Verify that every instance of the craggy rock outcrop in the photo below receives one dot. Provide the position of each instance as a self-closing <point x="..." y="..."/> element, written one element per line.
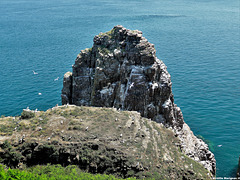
<point x="121" y="70"/>
<point x="67" y="88"/>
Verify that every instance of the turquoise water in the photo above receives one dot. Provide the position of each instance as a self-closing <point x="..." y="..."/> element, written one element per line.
<point x="198" y="40"/>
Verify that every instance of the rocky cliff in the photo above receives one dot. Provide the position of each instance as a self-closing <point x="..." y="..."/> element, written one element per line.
<point x="97" y="140"/>
<point x="121" y="70"/>
<point x="238" y="170"/>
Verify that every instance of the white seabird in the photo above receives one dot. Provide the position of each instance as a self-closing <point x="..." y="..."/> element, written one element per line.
<point x="131" y="85"/>
<point x="56" y="79"/>
<point x="34" y="72"/>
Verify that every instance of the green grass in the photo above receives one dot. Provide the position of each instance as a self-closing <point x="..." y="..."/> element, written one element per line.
<point x="103" y="50"/>
<point x="52" y="172"/>
<point x="109" y="34"/>
<point x="6" y="129"/>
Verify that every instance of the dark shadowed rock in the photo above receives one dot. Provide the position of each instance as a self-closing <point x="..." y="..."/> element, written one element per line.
<point x="121" y="70"/>
<point x="238" y="170"/>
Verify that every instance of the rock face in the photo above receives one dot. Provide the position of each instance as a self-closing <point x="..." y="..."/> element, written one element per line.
<point x="121" y="70"/>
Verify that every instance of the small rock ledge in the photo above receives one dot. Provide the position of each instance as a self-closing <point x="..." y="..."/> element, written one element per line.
<point x="121" y="70"/>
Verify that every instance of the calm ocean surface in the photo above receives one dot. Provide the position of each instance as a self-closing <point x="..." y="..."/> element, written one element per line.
<point x="199" y="41"/>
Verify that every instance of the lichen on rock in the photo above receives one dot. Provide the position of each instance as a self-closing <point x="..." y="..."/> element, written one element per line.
<point x="121" y="70"/>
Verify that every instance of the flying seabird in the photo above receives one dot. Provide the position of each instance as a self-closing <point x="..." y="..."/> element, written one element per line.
<point x="34" y="72"/>
<point x="56" y="79"/>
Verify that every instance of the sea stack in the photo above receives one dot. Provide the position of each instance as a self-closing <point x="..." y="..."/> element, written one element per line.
<point x="121" y="70"/>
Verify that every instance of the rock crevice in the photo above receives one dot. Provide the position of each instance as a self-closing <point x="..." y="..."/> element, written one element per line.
<point x="121" y="70"/>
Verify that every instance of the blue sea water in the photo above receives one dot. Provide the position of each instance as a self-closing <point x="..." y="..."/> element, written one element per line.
<point x="199" y="41"/>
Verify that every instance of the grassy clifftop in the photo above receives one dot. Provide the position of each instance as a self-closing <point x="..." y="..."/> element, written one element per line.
<point x="98" y="140"/>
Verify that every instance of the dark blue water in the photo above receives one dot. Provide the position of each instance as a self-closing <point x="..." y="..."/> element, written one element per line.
<point x="198" y="40"/>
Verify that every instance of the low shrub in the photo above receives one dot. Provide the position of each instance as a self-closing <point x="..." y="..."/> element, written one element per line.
<point x="27" y="114"/>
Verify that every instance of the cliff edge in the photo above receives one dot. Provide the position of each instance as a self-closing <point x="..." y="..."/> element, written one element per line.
<point x="121" y="70"/>
<point x="97" y="140"/>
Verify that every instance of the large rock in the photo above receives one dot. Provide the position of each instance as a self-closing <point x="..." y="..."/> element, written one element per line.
<point x="121" y="70"/>
<point x="67" y="88"/>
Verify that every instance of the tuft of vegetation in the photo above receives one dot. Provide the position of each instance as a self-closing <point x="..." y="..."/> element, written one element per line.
<point x="109" y="34"/>
<point x="27" y="114"/>
<point x="10" y="156"/>
<point x="103" y="50"/>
